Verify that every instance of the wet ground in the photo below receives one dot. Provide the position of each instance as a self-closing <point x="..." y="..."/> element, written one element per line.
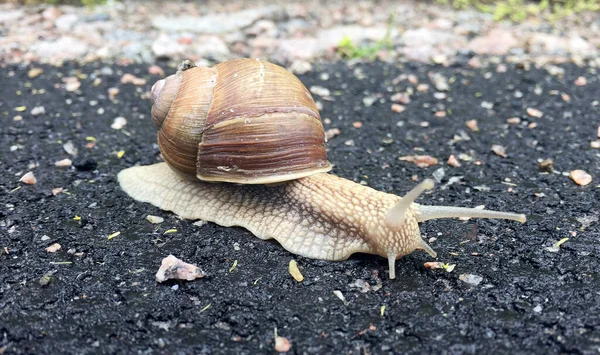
<point x="98" y="295"/>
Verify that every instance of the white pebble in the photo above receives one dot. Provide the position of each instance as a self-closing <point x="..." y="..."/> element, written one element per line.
<point x="118" y="123"/>
<point x="38" y="110"/>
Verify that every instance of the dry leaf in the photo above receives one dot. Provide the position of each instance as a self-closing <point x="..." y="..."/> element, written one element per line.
<point x="580" y="177"/>
<point x="294" y="271"/>
<point x="499" y="150"/>
<point x="422" y="161"/>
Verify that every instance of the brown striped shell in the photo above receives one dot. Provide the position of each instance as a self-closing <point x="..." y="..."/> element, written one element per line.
<point x="243" y="121"/>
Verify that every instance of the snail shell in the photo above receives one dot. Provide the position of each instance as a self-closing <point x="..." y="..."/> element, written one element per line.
<point x="243" y="121"/>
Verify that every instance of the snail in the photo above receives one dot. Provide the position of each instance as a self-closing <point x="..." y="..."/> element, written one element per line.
<point x="244" y="145"/>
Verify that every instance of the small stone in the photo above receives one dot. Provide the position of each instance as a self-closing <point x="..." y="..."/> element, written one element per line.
<point x="113" y="92"/>
<point x="332" y="132"/>
<point x="580" y="177"/>
<point x="319" y="90"/>
<point x="472" y="125"/>
<point x="499" y="150"/>
<point x="18" y="118"/>
<point x="513" y="120"/>
<point x="154" y="219"/>
<point x="34" y="73"/>
<point x="44" y="238"/>
<point x="56" y="191"/>
<point x="119" y="123"/>
<point x="156" y="70"/>
<point x="300" y="67"/>
<point x="46" y="278"/>
<point x="546" y="165"/>
<point x="452" y="161"/>
<point x="398" y="108"/>
<point x="28" y="179"/>
<point x="421" y="161"/>
<point x="581" y="81"/>
<point x="471" y="279"/>
<point x="53" y="248"/>
<point x="439" y="81"/>
<point x="357" y="124"/>
<point x="174" y="268"/>
<point x="401" y="98"/>
<point x="130" y="78"/>
<point x="64" y="163"/>
<point x="70" y="148"/>
<point x="533" y="112"/>
<point x="282" y="345"/>
<point x="422" y="87"/>
<point x="71" y="83"/>
<point x="368" y="101"/>
<point x="538" y="308"/>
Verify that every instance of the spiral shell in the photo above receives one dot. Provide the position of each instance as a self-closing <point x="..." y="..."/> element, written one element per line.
<point x="243" y="121"/>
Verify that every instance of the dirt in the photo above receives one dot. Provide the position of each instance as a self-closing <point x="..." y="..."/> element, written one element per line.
<point x="105" y="299"/>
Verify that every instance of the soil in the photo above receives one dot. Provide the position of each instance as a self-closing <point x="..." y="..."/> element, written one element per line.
<point x="99" y="295"/>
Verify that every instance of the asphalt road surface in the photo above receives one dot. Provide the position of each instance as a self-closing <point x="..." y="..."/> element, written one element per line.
<point x="509" y="291"/>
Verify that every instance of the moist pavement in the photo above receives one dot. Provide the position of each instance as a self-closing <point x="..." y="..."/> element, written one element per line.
<point x="504" y="288"/>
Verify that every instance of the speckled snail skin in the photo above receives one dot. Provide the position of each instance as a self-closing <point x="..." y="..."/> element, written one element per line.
<point x="254" y="126"/>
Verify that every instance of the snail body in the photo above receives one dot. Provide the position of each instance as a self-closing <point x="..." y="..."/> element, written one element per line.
<point x="307" y="210"/>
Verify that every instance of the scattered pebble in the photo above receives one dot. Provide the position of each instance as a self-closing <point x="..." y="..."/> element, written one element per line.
<point x="499" y="150"/>
<point x="368" y="101"/>
<point x="282" y="345"/>
<point x="44" y="238"/>
<point x="422" y="161"/>
<point x="581" y="81"/>
<point x="357" y="124"/>
<point x="565" y="97"/>
<point x="546" y="165"/>
<point x="332" y="132"/>
<point x="538" y="308"/>
<point x="130" y="78"/>
<point x="533" y="112"/>
<point x="70" y="148"/>
<point x="34" y="73"/>
<point x="18" y="118"/>
<point x="28" y="179"/>
<point x="340" y="295"/>
<point x="119" y="123"/>
<point x="471" y="279"/>
<point x="513" y="120"/>
<point x="320" y="91"/>
<point x="401" y="98"/>
<point x="398" y="108"/>
<point x="64" y="163"/>
<point x="154" y="219"/>
<point x="53" y="248"/>
<point x="452" y="161"/>
<point x="156" y="70"/>
<point x="38" y="110"/>
<point x="174" y="268"/>
<point x="71" y="83"/>
<point x="439" y="81"/>
<point x="472" y="125"/>
<point x="113" y="92"/>
<point x="56" y="191"/>
<point x="432" y="265"/>
<point x="294" y="271"/>
<point x="580" y="177"/>
<point x="46" y="278"/>
<point x="422" y="87"/>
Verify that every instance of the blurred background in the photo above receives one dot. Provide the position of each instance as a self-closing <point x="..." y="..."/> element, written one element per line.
<point x="296" y="34"/>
